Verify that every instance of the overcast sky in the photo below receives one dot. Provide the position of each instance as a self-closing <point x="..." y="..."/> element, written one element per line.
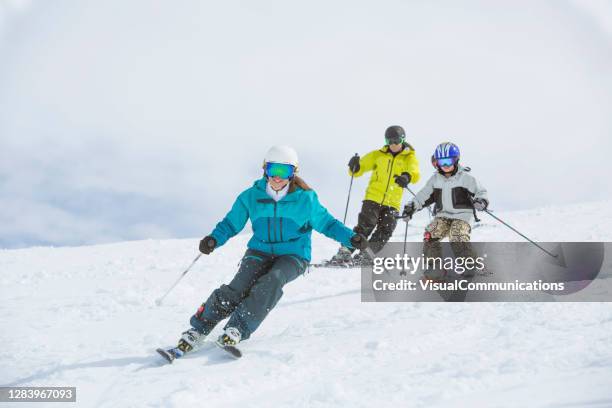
<point x="144" y="119"/>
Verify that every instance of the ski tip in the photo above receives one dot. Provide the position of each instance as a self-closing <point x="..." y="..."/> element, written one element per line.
<point x="232" y="350"/>
<point x="169" y="357"/>
<point x="236" y="353"/>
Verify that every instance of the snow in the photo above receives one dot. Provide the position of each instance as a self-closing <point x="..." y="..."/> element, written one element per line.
<point x="86" y="317"/>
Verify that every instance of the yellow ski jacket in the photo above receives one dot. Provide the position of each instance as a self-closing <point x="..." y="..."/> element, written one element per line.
<point x="384" y="166"/>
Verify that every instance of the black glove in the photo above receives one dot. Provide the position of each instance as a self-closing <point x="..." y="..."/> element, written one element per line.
<point x="403" y="180"/>
<point x="358" y="241"/>
<point x="207" y="245"/>
<point x="354" y="164"/>
<point x="409" y="210"/>
<point x="480" y="204"/>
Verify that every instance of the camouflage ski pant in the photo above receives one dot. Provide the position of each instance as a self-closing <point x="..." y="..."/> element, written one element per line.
<point x="458" y="233"/>
<point x="456" y="230"/>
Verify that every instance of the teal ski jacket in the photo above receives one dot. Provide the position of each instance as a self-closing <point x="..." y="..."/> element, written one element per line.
<point x="283" y="227"/>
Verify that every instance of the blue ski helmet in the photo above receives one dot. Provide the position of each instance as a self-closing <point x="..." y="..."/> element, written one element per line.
<point x="447" y="150"/>
<point x="446" y="154"/>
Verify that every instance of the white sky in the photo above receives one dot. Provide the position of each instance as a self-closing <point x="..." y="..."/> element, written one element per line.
<point x="144" y="119"/>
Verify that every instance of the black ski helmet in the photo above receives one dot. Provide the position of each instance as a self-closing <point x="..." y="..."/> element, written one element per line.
<point x="395" y="135"/>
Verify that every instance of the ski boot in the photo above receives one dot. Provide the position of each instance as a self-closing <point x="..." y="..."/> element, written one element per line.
<point x="190" y="340"/>
<point x="228" y="341"/>
<point x="342" y="258"/>
<point x="230" y="337"/>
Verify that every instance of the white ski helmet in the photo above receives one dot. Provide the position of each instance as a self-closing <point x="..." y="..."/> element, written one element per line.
<point x="282" y="154"/>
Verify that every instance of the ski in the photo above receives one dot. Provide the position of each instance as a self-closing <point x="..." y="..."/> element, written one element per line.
<point x="334" y="265"/>
<point x="169" y="355"/>
<point x="174" y="353"/>
<point x="233" y="350"/>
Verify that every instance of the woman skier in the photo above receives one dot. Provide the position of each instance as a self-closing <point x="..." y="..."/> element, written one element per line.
<point x="283" y="211"/>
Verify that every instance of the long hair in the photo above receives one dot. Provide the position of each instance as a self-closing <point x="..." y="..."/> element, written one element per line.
<point x="298" y="182"/>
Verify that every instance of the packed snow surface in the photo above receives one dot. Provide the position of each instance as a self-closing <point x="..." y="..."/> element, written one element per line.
<point x="86" y="317"/>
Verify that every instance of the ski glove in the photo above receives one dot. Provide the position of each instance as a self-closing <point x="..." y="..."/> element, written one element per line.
<point x="354" y="164"/>
<point x="480" y="204"/>
<point x="359" y="241"/>
<point x="403" y="180"/>
<point x="207" y="245"/>
<point x="409" y="211"/>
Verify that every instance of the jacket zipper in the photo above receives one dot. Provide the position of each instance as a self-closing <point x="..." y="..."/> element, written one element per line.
<point x="390" y="165"/>
<point x="275" y="237"/>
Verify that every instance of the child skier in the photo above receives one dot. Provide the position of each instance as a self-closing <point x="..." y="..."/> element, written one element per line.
<point x="393" y="167"/>
<point x="456" y="195"/>
<point x="283" y="211"/>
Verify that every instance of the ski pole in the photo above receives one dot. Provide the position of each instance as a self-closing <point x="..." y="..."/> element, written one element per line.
<point x="159" y="301"/>
<point x="349" y="193"/>
<point x="403" y="217"/>
<point x="405" y="239"/>
<point x="410" y="191"/>
<point x="518" y="232"/>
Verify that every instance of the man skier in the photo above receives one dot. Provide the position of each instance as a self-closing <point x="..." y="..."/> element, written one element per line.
<point x="393" y="167"/>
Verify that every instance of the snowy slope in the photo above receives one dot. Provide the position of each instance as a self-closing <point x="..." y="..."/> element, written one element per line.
<point x="86" y="317"/>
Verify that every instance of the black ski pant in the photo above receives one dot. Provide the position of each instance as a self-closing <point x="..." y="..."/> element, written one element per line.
<point x="251" y="295"/>
<point x="377" y="220"/>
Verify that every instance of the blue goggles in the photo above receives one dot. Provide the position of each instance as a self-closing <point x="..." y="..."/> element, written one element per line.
<point x="446" y="162"/>
<point x="282" y="170"/>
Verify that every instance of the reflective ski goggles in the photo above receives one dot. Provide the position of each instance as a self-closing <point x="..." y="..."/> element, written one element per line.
<point x="395" y="139"/>
<point x="282" y="170"/>
<point x="446" y="162"/>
